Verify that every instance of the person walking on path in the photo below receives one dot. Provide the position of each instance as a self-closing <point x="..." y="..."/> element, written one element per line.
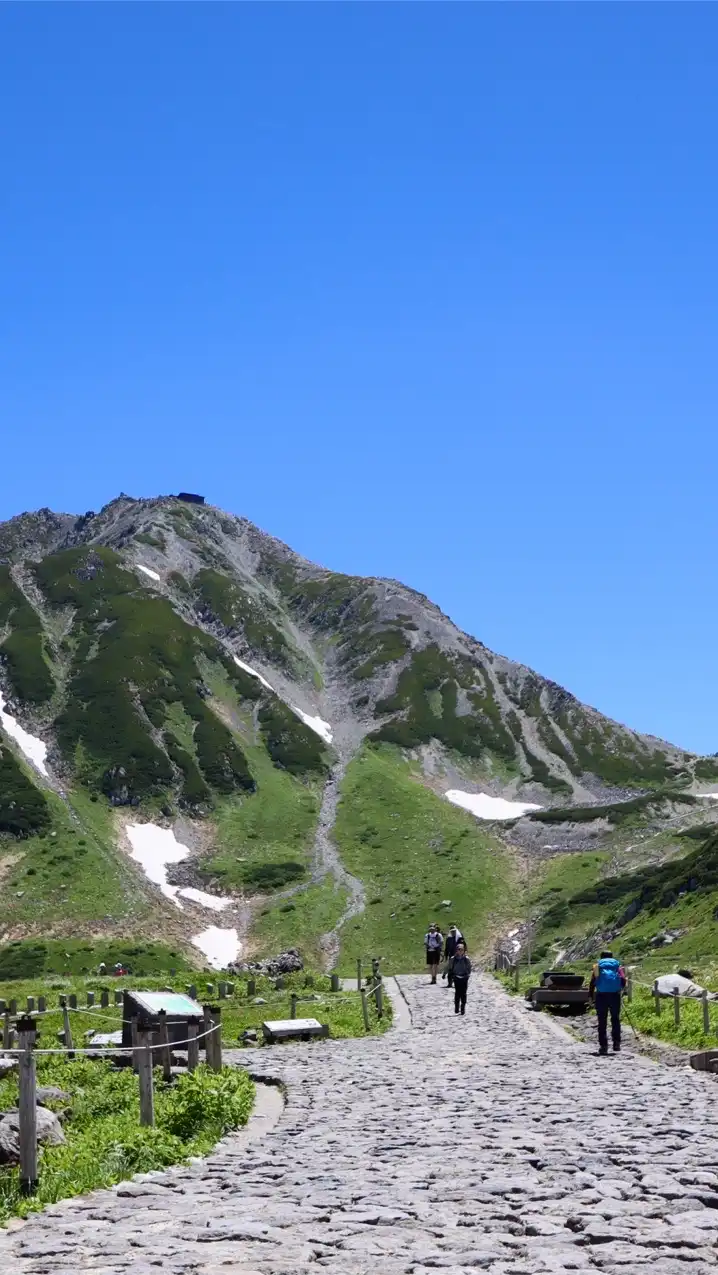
<point x="433" y="942"/>
<point x="460" y="974"/>
<point x="452" y="939"/>
<point x="608" y="979"/>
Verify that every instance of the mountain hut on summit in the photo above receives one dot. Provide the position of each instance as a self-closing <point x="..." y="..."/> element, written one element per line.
<point x="190" y="497"/>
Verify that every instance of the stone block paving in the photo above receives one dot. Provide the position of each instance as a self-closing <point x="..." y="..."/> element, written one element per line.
<point x="488" y="1143"/>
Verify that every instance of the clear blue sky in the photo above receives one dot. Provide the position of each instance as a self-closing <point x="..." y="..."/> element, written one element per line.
<point x="428" y="291"/>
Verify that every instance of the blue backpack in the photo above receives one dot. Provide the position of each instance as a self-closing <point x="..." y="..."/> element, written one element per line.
<point x="609" y="975"/>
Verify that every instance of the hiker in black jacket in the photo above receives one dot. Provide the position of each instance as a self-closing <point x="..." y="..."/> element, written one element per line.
<point x="460" y="973"/>
<point x="453" y="937"/>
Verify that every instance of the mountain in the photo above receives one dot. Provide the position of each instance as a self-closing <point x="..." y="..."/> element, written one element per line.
<point x="198" y="721"/>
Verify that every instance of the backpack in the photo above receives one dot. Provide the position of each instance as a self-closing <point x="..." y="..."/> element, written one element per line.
<point x="609" y="975"/>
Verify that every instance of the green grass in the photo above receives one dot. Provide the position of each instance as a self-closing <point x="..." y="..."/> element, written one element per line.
<point x="342" y="1012"/>
<point x="24" y="812"/>
<point x="105" y="1143"/>
<point x="23" y="650"/>
<point x="273" y="825"/>
<point x="300" y="921"/>
<point x="37" y="959"/>
<point x="412" y="850"/>
<point x="71" y="874"/>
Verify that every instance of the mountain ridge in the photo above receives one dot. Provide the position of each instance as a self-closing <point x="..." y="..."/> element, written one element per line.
<point x="175" y="658"/>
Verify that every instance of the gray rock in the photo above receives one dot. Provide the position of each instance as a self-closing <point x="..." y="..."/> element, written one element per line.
<point x="49" y="1132"/>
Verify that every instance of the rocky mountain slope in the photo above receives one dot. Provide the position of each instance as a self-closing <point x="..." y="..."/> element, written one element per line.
<point x="289" y="733"/>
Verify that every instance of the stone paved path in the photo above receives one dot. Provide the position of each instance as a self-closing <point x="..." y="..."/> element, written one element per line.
<point x="489" y="1143"/>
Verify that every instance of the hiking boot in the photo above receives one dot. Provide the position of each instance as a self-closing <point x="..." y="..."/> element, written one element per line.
<point x="603" y="1053"/>
<point x="617" y="1048"/>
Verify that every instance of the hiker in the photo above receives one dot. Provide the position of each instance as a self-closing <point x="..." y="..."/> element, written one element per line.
<point x="460" y="972"/>
<point x="452" y="938"/>
<point x="608" y="979"/>
<point x="434" y="943"/>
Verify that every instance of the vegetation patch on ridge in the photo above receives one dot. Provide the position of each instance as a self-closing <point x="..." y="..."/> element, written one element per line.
<point x="23" y="650"/>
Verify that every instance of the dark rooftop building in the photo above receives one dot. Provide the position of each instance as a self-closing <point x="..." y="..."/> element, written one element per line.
<point x="191" y="497"/>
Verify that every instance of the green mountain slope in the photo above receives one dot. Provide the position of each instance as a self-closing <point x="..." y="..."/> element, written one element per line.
<point x="296" y="728"/>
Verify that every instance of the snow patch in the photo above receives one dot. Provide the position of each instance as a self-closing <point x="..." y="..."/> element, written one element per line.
<point x="221" y="947"/>
<point x="252" y="672"/>
<point x="148" y="571"/>
<point x="212" y="901"/>
<point x="155" y="849"/>
<point x="317" y="724"/>
<point x="33" y="748"/>
<point x="709" y="796"/>
<point x="485" y="807"/>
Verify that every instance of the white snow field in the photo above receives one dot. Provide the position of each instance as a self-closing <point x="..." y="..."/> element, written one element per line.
<point x="33" y="748"/>
<point x="317" y="724"/>
<point x="253" y="672"/>
<point x="485" y="807"/>
<point x="148" y="571"/>
<point x="709" y="796"/>
<point x="219" y="946"/>
<point x="211" y="901"/>
<point x="155" y="848"/>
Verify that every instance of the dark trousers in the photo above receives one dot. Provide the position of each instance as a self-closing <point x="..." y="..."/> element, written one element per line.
<point x="608" y="1003"/>
<point x="460" y="989"/>
<point x="449" y="974"/>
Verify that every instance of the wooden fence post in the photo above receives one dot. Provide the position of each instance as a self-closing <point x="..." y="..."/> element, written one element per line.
<point x="27" y="1108"/>
<point x="293" y="1005"/>
<point x="213" y="1042"/>
<point x="72" y="1000"/>
<point x="67" y="1030"/>
<point x="223" y="991"/>
<point x="6" y="1029"/>
<point x="516" y="978"/>
<point x="629" y="988"/>
<point x="105" y="998"/>
<point x="164" y="1040"/>
<point x="192" y="992"/>
<point x="358" y="973"/>
<point x="3" y="1006"/>
<point x="90" y="999"/>
<point x="147" y="1097"/>
<point x="30" y="1005"/>
<point x="134" y="1038"/>
<point x="657" y="998"/>
<point x="379" y="997"/>
<point x="41" y="1004"/>
<point x="676" y="1007"/>
<point x="192" y="1047"/>
<point x="119" y="998"/>
<point x="13" y="1007"/>
<point x="706" y="1013"/>
<point x="230" y="989"/>
<point x="251" y="987"/>
<point x="210" y="989"/>
<point x="335" y="983"/>
<point x="364" y="1009"/>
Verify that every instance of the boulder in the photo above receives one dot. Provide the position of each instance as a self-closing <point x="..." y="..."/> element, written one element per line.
<point x="49" y="1132"/>
<point x="50" y="1093"/>
<point x="289" y="962"/>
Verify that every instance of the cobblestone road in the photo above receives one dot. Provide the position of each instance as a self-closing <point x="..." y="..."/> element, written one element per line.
<point x="485" y="1143"/>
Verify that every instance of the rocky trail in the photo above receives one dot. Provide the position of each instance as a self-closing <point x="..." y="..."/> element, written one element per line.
<point x="492" y="1142"/>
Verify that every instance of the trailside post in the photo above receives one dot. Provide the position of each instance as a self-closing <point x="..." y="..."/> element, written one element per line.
<point x="657" y="998"/>
<point x="358" y="973"/>
<point x="27" y="1108"/>
<point x="67" y="1030"/>
<point x="706" y="1013"/>
<point x="676" y="1007"/>
<point x="147" y="1097"/>
<point x="164" y="1040"/>
<point x="192" y="1047"/>
<point x="364" y="1009"/>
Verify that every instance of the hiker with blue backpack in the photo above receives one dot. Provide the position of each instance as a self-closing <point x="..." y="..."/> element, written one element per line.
<point x="608" y="980"/>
